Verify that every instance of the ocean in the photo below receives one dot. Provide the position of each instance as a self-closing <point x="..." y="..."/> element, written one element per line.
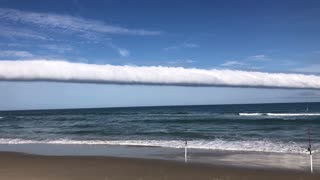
<point x="278" y="128"/>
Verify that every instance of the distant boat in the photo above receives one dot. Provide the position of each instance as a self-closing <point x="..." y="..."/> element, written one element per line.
<point x="307" y="109"/>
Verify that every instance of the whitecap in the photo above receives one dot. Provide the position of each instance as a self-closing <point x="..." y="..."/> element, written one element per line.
<point x="250" y="114"/>
<point x="293" y="114"/>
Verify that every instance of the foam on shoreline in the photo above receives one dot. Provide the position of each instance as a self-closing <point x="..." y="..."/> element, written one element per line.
<point x="220" y="145"/>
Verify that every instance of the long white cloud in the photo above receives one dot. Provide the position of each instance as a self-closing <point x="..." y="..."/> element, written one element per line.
<point x="43" y="70"/>
<point x="68" y="22"/>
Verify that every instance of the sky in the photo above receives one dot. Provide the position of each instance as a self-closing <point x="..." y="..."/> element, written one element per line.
<point x="264" y="36"/>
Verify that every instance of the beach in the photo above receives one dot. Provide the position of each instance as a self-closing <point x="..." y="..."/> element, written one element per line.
<point x="17" y="166"/>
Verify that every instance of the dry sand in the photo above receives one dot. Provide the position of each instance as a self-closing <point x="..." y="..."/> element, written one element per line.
<point x="15" y="166"/>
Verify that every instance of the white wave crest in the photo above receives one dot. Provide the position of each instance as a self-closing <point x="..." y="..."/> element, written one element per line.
<point x="279" y="114"/>
<point x="250" y="114"/>
<point x="254" y="145"/>
<point x="293" y="114"/>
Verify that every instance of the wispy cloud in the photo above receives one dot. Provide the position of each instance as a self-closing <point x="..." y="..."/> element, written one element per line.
<point x="232" y="63"/>
<point x="251" y="62"/>
<point x="183" y="45"/>
<point x="181" y="61"/>
<point x="121" y="51"/>
<point x="10" y="32"/>
<point x="59" y="25"/>
<point x="57" y="48"/>
<point x="67" y="22"/>
<point x="15" y="54"/>
<point x="260" y="57"/>
<point x="42" y="70"/>
<point x="239" y="65"/>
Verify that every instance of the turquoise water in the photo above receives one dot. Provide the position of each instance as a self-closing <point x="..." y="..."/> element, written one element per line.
<point x="259" y="127"/>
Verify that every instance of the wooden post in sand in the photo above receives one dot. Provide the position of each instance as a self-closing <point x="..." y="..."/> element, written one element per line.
<point x="186" y="152"/>
<point x="310" y="151"/>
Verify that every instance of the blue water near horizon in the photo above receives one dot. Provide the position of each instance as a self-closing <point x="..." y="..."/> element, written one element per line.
<point x="281" y="128"/>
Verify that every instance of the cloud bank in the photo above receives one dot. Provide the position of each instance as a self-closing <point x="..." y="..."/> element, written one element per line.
<point x="62" y="71"/>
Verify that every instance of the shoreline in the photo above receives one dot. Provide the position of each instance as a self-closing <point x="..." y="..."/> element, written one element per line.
<point x="16" y="166"/>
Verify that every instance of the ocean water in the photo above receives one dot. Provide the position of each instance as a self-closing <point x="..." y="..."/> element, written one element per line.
<point x="280" y="128"/>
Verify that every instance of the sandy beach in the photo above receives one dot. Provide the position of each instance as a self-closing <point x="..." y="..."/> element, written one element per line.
<point x="17" y="166"/>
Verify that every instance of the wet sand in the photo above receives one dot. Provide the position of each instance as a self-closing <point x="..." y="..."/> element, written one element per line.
<point x="17" y="166"/>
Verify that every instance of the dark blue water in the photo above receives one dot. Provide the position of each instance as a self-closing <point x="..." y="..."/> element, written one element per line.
<point x="258" y="127"/>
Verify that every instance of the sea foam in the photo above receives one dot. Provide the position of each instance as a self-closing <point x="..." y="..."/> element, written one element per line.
<point x="220" y="145"/>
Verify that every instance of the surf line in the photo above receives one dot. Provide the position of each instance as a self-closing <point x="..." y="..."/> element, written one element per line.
<point x="310" y="151"/>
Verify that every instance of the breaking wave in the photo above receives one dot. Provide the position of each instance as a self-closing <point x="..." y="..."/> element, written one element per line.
<point x="279" y="114"/>
<point x="218" y="144"/>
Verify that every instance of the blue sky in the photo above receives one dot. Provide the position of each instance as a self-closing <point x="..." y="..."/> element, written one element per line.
<point x="266" y="36"/>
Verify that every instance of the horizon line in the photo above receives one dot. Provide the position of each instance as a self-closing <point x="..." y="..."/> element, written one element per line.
<point x="146" y="106"/>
